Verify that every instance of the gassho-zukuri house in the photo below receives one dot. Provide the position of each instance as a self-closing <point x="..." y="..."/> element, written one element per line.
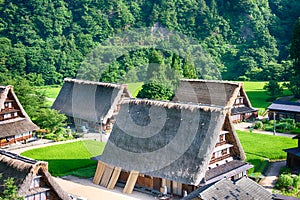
<point x="15" y="124"/>
<point x="220" y="93"/>
<point x="177" y="146"/>
<point x="88" y="104"/>
<point x="31" y="177"/>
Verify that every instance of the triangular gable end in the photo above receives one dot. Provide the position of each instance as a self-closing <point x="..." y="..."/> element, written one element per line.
<point x="9" y="94"/>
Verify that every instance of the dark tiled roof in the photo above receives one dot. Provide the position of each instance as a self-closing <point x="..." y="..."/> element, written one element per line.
<point x="294" y="151"/>
<point x="240" y="110"/>
<point x="226" y="170"/>
<point x="282" y="197"/>
<point x="243" y="189"/>
<point x="285" y="106"/>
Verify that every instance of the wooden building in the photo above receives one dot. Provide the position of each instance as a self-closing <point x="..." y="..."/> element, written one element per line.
<point x="88" y="104"/>
<point x="243" y="188"/>
<point x="220" y="93"/>
<point x="284" y="109"/>
<point x="177" y="146"/>
<point x="15" y="124"/>
<point x="293" y="156"/>
<point x="31" y="177"/>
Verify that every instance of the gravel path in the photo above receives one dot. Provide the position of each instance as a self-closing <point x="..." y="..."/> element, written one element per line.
<point x="272" y="175"/>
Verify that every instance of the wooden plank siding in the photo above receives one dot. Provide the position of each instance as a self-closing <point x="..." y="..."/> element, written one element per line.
<point x="131" y="182"/>
<point x="99" y="172"/>
<point x="114" y="178"/>
<point x="106" y="175"/>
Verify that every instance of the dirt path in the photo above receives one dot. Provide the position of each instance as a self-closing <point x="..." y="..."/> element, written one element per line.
<point x="272" y="175"/>
<point x="243" y="126"/>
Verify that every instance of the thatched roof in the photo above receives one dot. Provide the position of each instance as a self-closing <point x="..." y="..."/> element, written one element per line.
<point x="23" y="170"/>
<point x="89" y="100"/>
<point x="243" y="188"/>
<point x="18" y="125"/>
<point x="163" y="139"/>
<point x="222" y="93"/>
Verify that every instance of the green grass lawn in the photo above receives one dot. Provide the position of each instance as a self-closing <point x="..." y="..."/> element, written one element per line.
<point x="259" y="148"/>
<point x="51" y="93"/>
<point x="258" y="95"/>
<point x="134" y="88"/>
<point x="70" y="158"/>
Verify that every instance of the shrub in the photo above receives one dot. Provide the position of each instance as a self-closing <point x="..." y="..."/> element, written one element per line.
<point x="296" y="181"/>
<point x="297" y="124"/>
<point x="284" y="181"/>
<point x="271" y="122"/>
<point x="258" y="125"/>
<point x="269" y="128"/>
<point x="285" y="170"/>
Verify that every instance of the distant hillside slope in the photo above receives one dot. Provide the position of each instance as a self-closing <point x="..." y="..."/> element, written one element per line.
<point x="246" y="39"/>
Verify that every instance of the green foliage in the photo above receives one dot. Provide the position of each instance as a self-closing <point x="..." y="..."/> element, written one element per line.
<point x="248" y="39"/>
<point x="64" y="159"/>
<point x="273" y="88"/>
<point x="155" y="91"/>
<point x="284" y="181"/>
<point x="258" y="125"/>
<point x="285" y="170"/>
<point x="10" y="191"/>
<point x="50" y="119"/>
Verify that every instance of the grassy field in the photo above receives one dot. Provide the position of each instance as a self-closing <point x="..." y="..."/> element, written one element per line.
<point x="51" y="93"/>
<point x="134" y="88"/>
<point x="259" y="148"/>
<point x="258" y="96"/>
<point x="70" y="158"/>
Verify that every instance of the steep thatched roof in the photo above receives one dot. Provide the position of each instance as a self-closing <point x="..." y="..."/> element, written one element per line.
<point x="222" y="93"/>
<point x="18" y="125"/>
<point x="169" y="140"/>
<point x="89" y="100"/>
<point x="23" y="171"/>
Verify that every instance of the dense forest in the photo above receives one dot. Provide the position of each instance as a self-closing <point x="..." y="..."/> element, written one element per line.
<point x="47" y="40"/>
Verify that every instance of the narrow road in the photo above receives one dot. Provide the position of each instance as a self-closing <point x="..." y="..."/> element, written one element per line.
<point x="272" y="175"/>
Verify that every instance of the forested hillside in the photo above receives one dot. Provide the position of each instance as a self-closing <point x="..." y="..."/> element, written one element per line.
<point x="46" y="40"/>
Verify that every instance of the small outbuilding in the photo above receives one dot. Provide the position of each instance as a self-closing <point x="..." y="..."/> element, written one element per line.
<point x="243" y="188"/>
<point x="90" y="104"/>
<point x="31" y="177"/>
<point x="293" y="156"/>
<point x="284" y="109"/>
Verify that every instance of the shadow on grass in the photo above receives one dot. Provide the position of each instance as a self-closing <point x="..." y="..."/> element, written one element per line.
<point x="77" y="167"/>
<point x="259" y="165"/>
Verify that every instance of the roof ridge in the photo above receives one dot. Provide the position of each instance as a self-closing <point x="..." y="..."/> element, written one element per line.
<point x="88" y="82"/>
<point x="18" y="157"/>
<point x="172" y="104"/>
<point x="212" y="81"/>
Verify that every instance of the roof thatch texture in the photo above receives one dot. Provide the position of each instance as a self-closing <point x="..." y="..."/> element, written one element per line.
<point x="23" y="170"/>
<point x="18" y="125"/>
<point x="244" y="189"/>
<point x="89" y="100"/>
<point x="222" y="93"/>
<point x="169" y="140"/>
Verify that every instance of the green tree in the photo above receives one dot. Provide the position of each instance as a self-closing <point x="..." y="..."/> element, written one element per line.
<point x="273" y="89"/>
<point x="155" y="91"/>
<point x="294" y="85"/>
<point x="10" y="191"/>
<point x="50" y="119"/>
